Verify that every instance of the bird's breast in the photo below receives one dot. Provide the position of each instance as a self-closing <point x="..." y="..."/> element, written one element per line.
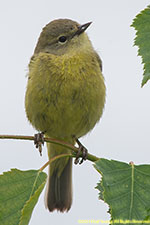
<point x="65" y="95"/>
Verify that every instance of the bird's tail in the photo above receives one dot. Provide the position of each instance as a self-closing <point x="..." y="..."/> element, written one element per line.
<point x="59" y="189"/>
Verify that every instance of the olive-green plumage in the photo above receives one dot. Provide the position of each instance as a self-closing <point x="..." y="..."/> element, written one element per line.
<point x="65" y="96"/>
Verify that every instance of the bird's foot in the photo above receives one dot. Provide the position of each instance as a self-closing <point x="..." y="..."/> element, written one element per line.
<point x="39" y="141"/>
<point x="82" y="150"/>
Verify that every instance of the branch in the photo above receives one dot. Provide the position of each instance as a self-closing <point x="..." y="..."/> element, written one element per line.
<point x="53" y="159"/>
<point x="72" y="148"/>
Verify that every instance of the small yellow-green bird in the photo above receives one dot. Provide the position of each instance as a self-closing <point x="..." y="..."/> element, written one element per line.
<point x="65" y="97"/>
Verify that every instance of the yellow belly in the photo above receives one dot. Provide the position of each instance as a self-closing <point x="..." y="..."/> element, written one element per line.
<point x="65" y="95"/>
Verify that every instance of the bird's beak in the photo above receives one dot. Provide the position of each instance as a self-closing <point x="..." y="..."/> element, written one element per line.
<point x="82" y="28"/>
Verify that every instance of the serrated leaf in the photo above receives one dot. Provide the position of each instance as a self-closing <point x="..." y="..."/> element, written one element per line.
<point x="19" y="192"/>
<point x="29" y="206"/>
<point x="141" y="23"/>
<point x="126" y="189"/>
<point x="145" y="79"/>
<point x="101" y="189"/>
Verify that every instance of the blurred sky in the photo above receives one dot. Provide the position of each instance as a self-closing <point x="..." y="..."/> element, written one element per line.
<point x="123" y="132"/>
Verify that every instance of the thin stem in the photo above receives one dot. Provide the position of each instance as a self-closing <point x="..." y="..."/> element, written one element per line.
<point x="53" y="159"/>
<point x="50" y="140"/>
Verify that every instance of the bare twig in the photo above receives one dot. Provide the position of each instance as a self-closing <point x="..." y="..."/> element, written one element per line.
<point x="72" y="148"/>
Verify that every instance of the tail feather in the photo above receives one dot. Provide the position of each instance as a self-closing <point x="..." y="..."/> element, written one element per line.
<point x="59" y="191"/>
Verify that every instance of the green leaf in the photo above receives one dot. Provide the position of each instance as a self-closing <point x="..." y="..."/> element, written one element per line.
<point x="101" y="189"/>
<point x="141" y="23"/>
<point x="126" y="189"/>
<point x="19" y="192"/>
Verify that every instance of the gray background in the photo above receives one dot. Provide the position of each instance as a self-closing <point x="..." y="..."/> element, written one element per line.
<point x="123" y="132"/>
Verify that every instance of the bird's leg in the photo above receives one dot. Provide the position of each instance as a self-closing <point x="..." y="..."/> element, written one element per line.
<point x="82" y="150"/>
<point x="39" y="141"/>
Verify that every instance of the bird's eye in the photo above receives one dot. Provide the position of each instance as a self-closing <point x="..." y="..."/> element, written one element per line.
<point x="62" y="39"/>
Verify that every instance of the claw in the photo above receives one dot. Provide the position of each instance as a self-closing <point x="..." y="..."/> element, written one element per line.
<point x="82" y="150"/>
<point x="39" y="141"/>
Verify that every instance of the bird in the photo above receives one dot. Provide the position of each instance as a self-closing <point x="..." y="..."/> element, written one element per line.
<point x="65" y="98"/>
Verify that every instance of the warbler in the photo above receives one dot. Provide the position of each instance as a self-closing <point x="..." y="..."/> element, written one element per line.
<point x="65" y="98"/>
